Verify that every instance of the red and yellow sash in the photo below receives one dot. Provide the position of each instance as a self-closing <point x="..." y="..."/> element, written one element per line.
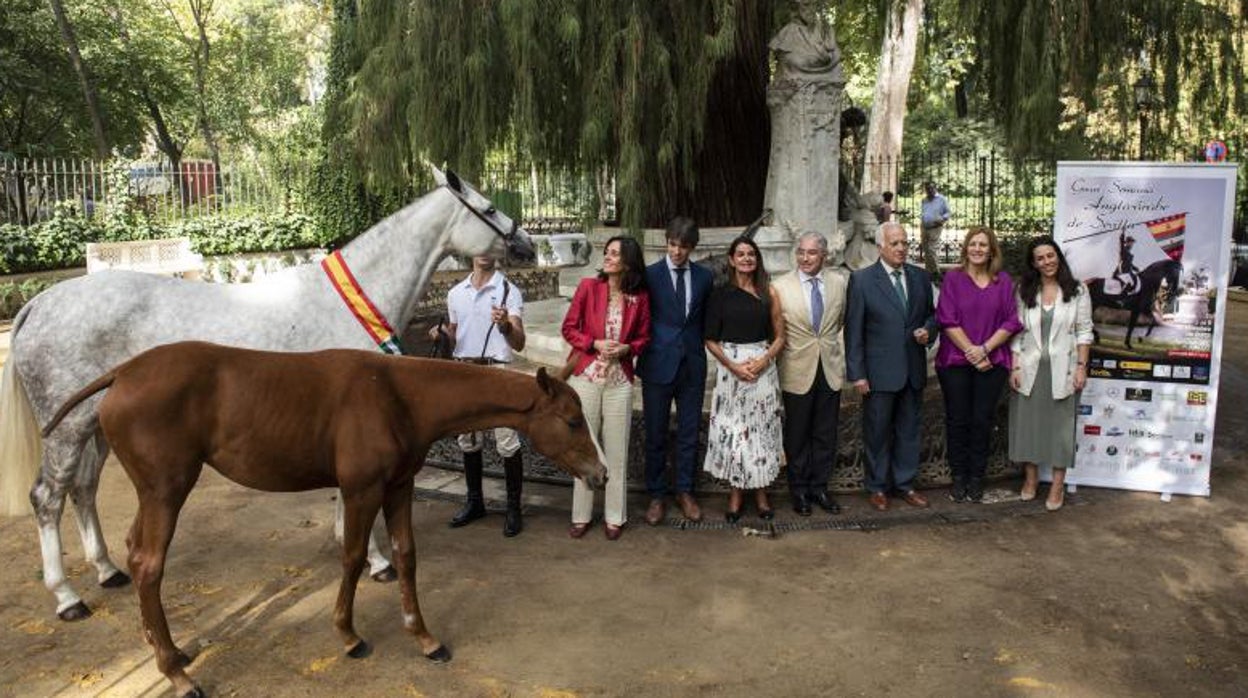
<point x="361" y="307"/>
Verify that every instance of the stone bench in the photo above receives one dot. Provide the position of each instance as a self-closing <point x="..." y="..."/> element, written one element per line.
<point x="165" y="256"/>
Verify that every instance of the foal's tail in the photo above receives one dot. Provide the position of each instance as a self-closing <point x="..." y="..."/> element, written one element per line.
<point x="94" y="387"/>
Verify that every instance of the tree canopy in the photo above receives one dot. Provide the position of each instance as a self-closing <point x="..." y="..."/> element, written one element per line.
<point x="651" y="90"/>
<point x="141" y="56"/>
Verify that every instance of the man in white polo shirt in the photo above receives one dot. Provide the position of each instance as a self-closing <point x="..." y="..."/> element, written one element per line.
<point x="484" y="314"/>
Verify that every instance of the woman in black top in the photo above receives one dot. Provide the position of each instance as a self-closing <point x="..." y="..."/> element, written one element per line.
<point x="745" y="333"/>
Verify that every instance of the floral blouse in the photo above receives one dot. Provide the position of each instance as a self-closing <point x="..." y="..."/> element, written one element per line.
<point x="606" y="371"/>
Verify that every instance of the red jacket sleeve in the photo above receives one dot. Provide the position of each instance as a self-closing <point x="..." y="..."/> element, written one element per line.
<point x="641" y="335"/>
<point x="574" y="322"/>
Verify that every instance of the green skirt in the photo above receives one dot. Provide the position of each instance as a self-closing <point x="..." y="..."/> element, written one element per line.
<point x="1042" y="430"/>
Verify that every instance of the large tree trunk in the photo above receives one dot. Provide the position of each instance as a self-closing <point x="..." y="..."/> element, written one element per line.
<point x="731" y="166"/>
<point x="89" y="92"/>
<point x="888" y="111"/>
<point x="200" y="11"/>
<point x="165" y="141"/>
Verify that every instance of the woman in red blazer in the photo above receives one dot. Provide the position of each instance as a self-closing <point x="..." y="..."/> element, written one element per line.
<point x="608" y="325"/>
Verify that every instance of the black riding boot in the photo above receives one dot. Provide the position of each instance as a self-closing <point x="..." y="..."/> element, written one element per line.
<point x="474" y="502"/>
<point x="513" y="470"/>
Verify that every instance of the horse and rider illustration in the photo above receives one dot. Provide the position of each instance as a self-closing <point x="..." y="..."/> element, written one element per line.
<point x="1149" y="291"/>
<point x="1126" y="273"/>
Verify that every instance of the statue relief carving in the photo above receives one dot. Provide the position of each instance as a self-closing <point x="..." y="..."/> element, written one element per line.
<point x="804" y="98"/>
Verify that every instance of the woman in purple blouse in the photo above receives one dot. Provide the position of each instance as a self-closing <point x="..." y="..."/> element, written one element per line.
<point x="977" y="314"/>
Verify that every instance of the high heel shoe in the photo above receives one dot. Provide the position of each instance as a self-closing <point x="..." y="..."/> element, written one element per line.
<point x="765" y="512"/>
<point x="735" y="503"/>
<point x="1051" y="505"/>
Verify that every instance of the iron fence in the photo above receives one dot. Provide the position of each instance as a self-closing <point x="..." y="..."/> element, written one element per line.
<point x="544" y="199"/>
<point x="1007" y="194"/>
<point x="34" y="189"/>
<point x="988" y="188"/>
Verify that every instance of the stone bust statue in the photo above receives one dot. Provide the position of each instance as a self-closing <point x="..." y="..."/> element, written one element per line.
<point x="805" y="48"/>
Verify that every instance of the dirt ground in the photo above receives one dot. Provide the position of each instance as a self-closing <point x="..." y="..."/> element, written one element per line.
<point x="1118" y="594"/>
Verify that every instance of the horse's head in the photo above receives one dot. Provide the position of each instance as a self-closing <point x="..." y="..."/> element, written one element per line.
<point x="557" y="430"/>
<point x="484" y="229"/>
<point x="1174" y="274"/>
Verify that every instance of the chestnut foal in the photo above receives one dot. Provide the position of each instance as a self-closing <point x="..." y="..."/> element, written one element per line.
<point x="281" y="422"/>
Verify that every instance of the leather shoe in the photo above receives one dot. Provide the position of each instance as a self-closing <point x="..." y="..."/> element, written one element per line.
<point x="801" y="505"/>
<point x="825" y="502"/>
<point x="657" y="512"/>
<point x="578" y="530"/>
<point x="915" y="499"/>
<point x="613" y="532"/>
<point x="878" y="501"/>
<point x="689" y="506"/>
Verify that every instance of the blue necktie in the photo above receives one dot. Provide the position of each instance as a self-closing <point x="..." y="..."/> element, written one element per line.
<point x="816" y="305"/>
<point x="901" y="290"/>
<point x="680" y="290"/>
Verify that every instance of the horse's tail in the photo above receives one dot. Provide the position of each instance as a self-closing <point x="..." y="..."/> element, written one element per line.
<point x="92" y="388"/>
<point x="20" y="446"/>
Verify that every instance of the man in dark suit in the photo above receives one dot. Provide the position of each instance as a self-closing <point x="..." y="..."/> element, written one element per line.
<point x="673" y="367"/>
<point x="889" y="323"/>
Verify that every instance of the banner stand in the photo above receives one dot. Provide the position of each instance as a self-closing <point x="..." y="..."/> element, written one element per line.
<point x="1152" y="244"/>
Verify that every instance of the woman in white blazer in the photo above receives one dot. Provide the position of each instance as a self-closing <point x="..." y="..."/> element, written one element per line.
<point x="1050" y="367"/>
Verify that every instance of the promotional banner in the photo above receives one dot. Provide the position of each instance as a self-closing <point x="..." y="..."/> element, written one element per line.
<point x="1152" y="244"/>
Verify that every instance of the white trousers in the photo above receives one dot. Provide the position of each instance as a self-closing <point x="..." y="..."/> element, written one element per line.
<point x="609" y="416"/>
<point x="507" y="441"/>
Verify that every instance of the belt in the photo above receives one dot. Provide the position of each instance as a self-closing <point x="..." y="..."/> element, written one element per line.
<point x="480" y="360"/>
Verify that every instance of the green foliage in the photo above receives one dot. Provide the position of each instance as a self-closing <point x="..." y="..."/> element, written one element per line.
<point x="15" y="294"/>
<point x="582" y="84"/>
<point x="61" y="241"/>
<point x="1014" y="250"/>
<point x="263" y="54"/>
<point x="1055" y="71"/>
<point x="217" y="236"/>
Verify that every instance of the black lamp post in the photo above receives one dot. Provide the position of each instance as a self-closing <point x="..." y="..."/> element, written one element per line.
<point x="1144" y="89"/>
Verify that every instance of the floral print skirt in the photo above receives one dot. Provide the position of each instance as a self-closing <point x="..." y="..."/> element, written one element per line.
<point x="744" y="445"/>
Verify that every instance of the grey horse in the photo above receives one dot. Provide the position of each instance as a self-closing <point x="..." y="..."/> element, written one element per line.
<point x="79" y="329"/>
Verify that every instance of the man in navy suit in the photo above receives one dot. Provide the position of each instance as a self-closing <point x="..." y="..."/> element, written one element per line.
<point x="889" y="323"/>
<point x="673" y="367"/>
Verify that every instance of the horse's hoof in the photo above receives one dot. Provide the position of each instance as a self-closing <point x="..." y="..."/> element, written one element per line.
<point x="195" y="692"/>
<point x="78" y="611"/>
<point x="441" y="655"/>
<point x="116" y="579"/>
<point x="361" y="650"/>
<point x="387" y="575"/>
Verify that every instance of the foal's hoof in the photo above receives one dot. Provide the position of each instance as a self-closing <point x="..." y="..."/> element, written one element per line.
<point x="116" y="579"/>
<point x="78" y="611"/>
<point x="387" y="575"/>
<point x="361" y="650"/>
<point x="440" y="655"/>
<point x="182" y="660"/>
<point x="195" y="692"/>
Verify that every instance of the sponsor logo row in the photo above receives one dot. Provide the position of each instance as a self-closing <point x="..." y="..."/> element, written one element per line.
<point x="1108" y="368"/>
<point x="1192" y="398"/>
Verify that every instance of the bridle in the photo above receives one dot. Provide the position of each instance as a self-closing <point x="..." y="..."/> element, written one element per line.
<point x="485" y="216"/>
